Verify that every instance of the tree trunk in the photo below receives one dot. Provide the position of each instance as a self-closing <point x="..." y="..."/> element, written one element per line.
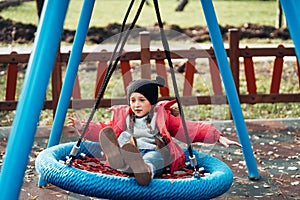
<point x="181" y="5"/>
<point x="39" y="6"/>
<point x="278" y="15"/>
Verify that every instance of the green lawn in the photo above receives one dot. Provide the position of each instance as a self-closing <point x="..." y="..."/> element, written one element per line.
<point x="228" y="13"/>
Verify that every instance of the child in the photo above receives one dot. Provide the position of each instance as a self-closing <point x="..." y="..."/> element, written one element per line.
<point x="138" y="139"/>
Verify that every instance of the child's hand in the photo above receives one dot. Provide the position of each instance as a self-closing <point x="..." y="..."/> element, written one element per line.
<point x="76" y="123"/>
<point x="175" y="110"/>
<point x="226" y="142"/>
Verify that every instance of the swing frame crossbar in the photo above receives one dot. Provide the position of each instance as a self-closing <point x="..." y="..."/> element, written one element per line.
<point x="37" y="77"/>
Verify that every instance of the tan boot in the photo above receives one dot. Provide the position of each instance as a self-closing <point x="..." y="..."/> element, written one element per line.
<point x="111" y="148"/>
<point x="135" y="161"/>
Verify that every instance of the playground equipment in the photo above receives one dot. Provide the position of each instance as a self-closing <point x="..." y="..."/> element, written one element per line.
<point x="293" y="21"/>
<point x="111" y="186"/>
<point x="215" y="184"/>
<point x="37" y="76"/>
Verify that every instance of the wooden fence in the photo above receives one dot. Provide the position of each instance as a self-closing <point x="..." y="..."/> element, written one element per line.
<point x="145" y="56"/>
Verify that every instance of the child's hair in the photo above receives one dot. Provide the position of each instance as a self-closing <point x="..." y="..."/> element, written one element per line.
<point x="146" y="87"/>
<point x="148" y="120"/>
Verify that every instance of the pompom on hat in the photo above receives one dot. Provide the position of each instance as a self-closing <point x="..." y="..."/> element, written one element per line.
<point x="146" y="87"/>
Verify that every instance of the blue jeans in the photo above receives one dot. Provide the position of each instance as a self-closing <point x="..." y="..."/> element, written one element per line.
<point x="154" y="158"/>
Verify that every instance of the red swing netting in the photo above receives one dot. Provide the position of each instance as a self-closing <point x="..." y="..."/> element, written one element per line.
<point x="96" y="165"/>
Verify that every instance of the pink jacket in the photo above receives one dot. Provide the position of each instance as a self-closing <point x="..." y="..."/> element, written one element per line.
<point x="168" y="125"/>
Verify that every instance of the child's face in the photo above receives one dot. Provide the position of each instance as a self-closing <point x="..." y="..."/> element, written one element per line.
<point x="139" y="104"/>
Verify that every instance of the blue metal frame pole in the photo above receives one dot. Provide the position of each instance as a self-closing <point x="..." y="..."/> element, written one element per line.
<point x="70" y="76"/>
<point x="32" y="97"/>
<point x="292" y="16"/>
<point x="230" y="89"/>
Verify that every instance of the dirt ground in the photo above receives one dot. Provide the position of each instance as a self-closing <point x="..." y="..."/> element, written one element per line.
<point x="276" y="145"/>
<point x="20" y="33"/>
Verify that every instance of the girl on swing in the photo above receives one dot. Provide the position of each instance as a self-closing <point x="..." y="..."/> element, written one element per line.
<point x="138" y="139"/>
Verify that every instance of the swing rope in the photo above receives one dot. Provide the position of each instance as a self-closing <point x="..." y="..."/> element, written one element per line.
<point x="111" y="69"/>
<point x="168" y="56"/>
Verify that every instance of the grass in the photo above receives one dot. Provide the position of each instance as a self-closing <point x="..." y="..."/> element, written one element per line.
<point x="228" y="13"/>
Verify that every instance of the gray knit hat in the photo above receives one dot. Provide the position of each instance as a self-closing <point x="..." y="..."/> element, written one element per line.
<point x="146" y="87"/>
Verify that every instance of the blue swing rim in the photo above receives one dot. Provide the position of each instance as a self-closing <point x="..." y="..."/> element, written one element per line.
<point x="99" y="185"/>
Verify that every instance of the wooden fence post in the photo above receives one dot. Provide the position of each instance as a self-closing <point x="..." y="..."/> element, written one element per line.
<point x="101" y="71"/>
<point x="126" y="73"/>
<point x="234" y="39"/>
<point x="145" y="55"/>
<point x="215" y="76"/>
<point x="277" y="73"/>
<point x="250" y="75"/>
<point x="56" y="81"/>
<point x="11" y="83"/>
<point x="189" y="75"/>
<point x="162" y="71"/>
<point x="76" y="94"/>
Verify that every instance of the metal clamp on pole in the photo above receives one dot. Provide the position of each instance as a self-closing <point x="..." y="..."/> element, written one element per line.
<point x="193" y="163"/>
<point x="73" y="153"/>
